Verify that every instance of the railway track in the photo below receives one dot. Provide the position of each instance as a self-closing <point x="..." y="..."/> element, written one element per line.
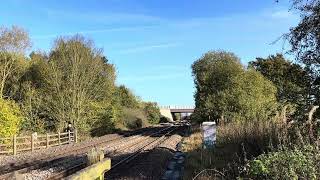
<point x="138" y="147"/>
<point x="149" y="145"/>
<point x="74" y="155"/>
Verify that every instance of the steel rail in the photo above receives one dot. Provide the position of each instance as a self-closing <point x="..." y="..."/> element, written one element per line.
<point x="56" y="157"/>
<point x="77" y="167"/>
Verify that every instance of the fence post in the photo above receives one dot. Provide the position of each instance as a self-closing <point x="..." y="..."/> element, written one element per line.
<point x="47" y="140"/>
<point x="59" y="138"/>
<point x="32" y="142"/>
<point x="75" y="135"/>
<point x="69" y="135"/>
<point x="14" y="145"/>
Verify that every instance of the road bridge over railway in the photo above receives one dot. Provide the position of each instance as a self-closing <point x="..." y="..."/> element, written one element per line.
<point x="174" y="113"/>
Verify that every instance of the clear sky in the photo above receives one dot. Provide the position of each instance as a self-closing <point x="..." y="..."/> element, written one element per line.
<point x="154" y="42"/>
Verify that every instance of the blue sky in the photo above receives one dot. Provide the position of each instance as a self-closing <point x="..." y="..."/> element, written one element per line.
<point x="153" y="43"/>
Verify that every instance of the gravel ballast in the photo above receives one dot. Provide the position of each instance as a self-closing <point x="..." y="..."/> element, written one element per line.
<point x="150" y="164"/>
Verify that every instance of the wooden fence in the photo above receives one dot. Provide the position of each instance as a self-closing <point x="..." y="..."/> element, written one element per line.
<point x="14" y="144"/>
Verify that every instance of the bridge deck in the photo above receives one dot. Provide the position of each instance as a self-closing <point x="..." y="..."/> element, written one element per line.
<point x="181" y="110"/>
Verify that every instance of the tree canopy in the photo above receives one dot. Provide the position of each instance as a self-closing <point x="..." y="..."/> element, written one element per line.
<point x="226" y="90"/>
<point x="72" y="83"/>
<point x="305" y="42"/>
<point x="291" y="80"/>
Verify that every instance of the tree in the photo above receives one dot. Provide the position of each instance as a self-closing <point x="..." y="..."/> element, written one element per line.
<point x="305" y="42"/>
<point x="10" y="118"/>
<point x="126" y="97"/>
<point x="73" y="83"/>
<point x="291" y="80"/>
<point x="78" y="77"/>
<point x="304" y="38"/>
<point x="14" y="42"/>
<point x="213" y="74"/>
<point x="225" y="90"/>
<point x="153" y="112"/>
<point x="31" y="93"/>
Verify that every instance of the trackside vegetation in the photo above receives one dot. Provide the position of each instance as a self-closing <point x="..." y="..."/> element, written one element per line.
<point x="72" y="83"/>
<point x="267" y="112"/>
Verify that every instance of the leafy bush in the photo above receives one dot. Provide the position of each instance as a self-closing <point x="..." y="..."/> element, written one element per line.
<point x="106" y="116"/>
<point x="10" y="118"/>
<point x="297" y="163"/>
<point x="153" y="112"/>
<point x="134" y="118"/>
<point x="177" y="116"/>
<point x="164" y="119"/>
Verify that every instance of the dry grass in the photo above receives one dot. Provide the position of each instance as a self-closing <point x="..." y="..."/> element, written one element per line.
<point x="236" y="142"/>
<point x="94" y="155"/>
<point x="254" y="137"/>
<point x="199" y="159"/>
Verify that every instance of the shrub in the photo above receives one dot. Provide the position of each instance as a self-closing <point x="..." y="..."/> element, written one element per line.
<point x="134" y="118"/>
<point x="294" y="163"/>
<point x="104" y="118"/>
<point x="177" y="116"/>
<point x="94" y="156"/>
<point x="10" y="118"/>
<point x="153" y="112"/>
<point x="164" y="119"/>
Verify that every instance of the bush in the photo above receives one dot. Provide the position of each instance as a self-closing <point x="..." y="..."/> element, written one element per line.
<point x="164" y="119"/>
<point x="297" y="163"/>
<point x="153" y="112"/>
<point x="177" y="117"/>
<point x="10" y="118"/>
<point x="134" y="118"/>
<point x="105" y="117"/>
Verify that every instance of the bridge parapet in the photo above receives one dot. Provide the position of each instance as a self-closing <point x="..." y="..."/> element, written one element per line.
<point x="177" y="107"/>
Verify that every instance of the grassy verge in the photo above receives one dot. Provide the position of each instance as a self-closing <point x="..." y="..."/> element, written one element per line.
<point x="236" y="143"/>
<point x="206" y="163"/>
<point x="255" y="150"/>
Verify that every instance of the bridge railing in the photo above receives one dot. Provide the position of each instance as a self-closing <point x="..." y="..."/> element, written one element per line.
<point x="177" y="107"/>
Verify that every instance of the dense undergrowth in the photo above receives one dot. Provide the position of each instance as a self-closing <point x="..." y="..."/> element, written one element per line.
<point x="267" y="119"/>
<point x="255" y="150"/>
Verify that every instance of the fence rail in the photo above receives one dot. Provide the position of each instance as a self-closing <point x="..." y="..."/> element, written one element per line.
<point x="14" y="144"/>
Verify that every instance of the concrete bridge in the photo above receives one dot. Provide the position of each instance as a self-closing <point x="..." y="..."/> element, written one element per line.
<point x="175" y="113"/>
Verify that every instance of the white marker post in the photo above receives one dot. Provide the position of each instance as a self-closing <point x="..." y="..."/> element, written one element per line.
<point x="209" y="134"/>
